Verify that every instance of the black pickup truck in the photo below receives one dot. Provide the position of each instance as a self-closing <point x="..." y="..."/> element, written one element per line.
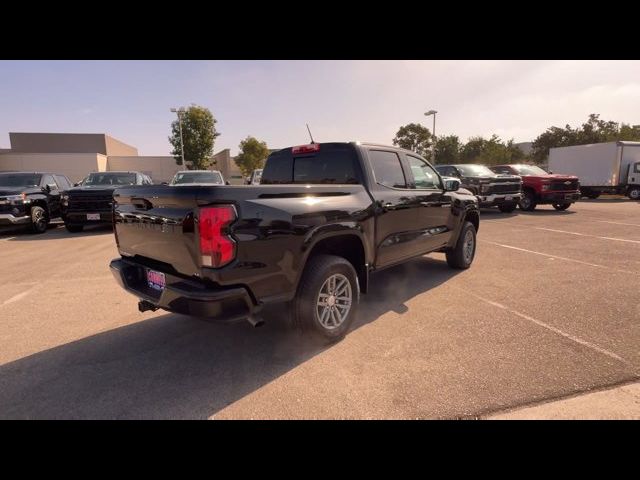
<point x="31" y="199"/>
<point x="492" y="189"/>
<point x="323" y="218"/>
<point x="90" y="201"/>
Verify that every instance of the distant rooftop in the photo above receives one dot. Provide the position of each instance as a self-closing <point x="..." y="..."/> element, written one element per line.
<point x="32" y="142"/>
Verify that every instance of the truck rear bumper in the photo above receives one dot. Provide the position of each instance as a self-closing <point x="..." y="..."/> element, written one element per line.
<point x="187" y="297"/>
<point x="559" y="197"/>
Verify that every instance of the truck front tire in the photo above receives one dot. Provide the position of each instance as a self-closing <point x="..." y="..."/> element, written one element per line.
<point x="634" y="193"/>
<point x="39" y="219"/>
<point x="462" y="255"/>
<point x="507" y="207"/>
<point x="528" y="201"/>
<point x="327" y="299"/>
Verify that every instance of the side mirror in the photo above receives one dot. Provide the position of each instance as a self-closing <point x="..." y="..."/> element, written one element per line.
<point x="227" y="182"/>
<point x="76" y="184"/>
<point x="451" y="185"/>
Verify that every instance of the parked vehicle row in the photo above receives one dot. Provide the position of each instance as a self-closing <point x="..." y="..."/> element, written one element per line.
<point x="34" y="199"/>
<point x="506" y="186"/>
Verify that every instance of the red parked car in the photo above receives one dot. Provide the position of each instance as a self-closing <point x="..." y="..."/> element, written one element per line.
<point x="540" y="187"/>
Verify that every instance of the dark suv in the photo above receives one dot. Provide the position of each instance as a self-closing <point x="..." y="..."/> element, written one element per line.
<point x="90" y="202"/>
<point x="30" y="198"/>
<point x="492" y="189"/>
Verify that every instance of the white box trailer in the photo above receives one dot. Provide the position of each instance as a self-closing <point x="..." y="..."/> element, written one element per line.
<point x="612" y="167"/>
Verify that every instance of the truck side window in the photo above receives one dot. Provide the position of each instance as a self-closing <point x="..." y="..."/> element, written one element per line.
<point x="387" y="169"/>
<point x="424" y="176"/>
<point x="48" y="180"/>
<point x="637" y="168"/>
<point x="62" y="182"/>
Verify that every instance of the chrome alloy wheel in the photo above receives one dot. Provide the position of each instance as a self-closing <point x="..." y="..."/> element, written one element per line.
<point x="468" y="247"/>
<point x="334" y="301"/>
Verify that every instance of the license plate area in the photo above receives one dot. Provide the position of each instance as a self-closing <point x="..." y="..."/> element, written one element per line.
<point x="93" y="216"/>
<point x="156" y="280"/>
<point x="568" y="196"/>
<point x="508" y="197"/>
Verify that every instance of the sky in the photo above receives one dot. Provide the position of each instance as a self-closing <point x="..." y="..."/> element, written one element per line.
<point x="341" y="100"/>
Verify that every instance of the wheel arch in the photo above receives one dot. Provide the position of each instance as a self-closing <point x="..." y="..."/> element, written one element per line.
<point x="349" y="245"/>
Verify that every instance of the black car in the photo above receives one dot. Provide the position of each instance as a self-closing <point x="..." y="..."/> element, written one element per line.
<point x="324" y="218"/>
<point x="31" y="199"/>
<point x="90" y="201"/>
<point x="492" y="189"/>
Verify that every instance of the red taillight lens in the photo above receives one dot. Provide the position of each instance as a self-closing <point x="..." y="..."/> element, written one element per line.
<point x="313" y="147"/>
<point x="216" y="247"/>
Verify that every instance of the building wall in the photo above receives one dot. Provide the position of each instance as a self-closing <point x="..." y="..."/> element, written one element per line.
<point x="74" y="165"/>
<point x="118" y="148"/>
<point x="160" y="168"/>
<point x="223" y="161"/>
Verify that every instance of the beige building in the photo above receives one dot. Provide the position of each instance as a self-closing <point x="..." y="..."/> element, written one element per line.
<point x="78" y="154"/>
<point x="223" y="161"/>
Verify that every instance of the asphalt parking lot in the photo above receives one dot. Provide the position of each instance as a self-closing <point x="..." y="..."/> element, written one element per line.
<point x="549" y="309"/>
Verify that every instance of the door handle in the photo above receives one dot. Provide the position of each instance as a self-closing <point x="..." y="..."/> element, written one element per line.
<point x="389" y="206"/>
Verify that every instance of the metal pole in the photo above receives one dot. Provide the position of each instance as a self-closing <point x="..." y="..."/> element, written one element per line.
<point x="433" y="153"/>
<point x="181" y="139"/>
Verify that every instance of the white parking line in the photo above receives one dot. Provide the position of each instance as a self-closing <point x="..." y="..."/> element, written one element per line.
<point x="586" y="235"/>
<point x="555" y="330"/>
<point x="4" y="239"/>
<point x="619" y="223"/>
<point x="558" y="258"/>
<point x="17" y="297"/>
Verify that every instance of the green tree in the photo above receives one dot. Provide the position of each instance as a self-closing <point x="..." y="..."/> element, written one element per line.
<point x="447" y="149"/>
<point x="414" y="137"/>
<point x="253" y="154"/>
<point x="471" y="152"/>
<point x="199" y="134"/>
<point x="490" y="152"/>
<point x="594" y="130"/>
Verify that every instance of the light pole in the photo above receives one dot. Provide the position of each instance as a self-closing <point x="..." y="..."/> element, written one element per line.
<point x="433" y="144"/>
<point x="180" y="111"/>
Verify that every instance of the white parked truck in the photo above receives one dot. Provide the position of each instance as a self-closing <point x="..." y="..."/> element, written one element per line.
<point x="612" y="167"/>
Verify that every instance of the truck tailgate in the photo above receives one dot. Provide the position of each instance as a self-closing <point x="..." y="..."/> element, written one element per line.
<point x="157" y="223"/>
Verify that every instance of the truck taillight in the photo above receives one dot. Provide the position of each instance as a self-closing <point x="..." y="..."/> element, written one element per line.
<point x="217" y="248"/>
<point x="313" y="147"/>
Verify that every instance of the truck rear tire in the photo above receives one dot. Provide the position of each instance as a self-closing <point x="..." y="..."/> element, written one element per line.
<point x="634" y="193"/>
<point x="507" y="207"/>
<point x="528" y="201"/>
<point x="462" y="255"/>
<point x="327" y="299"/>
<point x="561" y="206"/>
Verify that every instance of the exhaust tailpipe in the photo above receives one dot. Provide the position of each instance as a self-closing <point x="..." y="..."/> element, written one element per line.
<point x="144" y="306"/>
<point x="255" y="321"/>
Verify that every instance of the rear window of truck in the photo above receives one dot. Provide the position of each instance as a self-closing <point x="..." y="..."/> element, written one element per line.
<point x="332" y="163"/>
